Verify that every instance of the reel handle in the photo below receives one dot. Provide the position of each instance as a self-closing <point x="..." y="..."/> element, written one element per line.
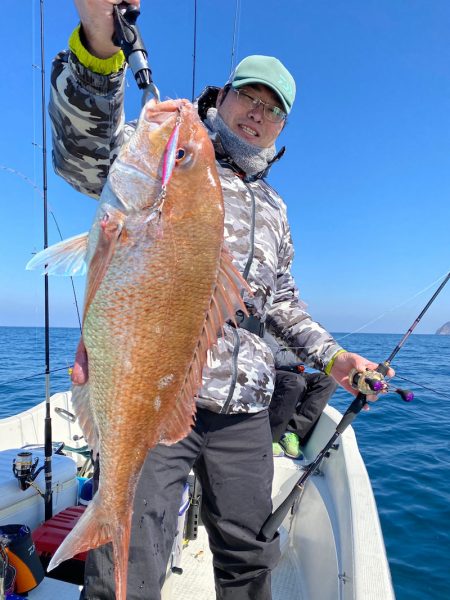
<point x="405" y="395"/>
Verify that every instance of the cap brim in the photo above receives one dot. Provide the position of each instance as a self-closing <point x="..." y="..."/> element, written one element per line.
<point x="251" y="80"/>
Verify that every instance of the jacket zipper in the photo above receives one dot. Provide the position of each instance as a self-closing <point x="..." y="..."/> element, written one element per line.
<point x="252" y="234"/>
<point x="237" y="341"/>
<point x="236" y="348"/>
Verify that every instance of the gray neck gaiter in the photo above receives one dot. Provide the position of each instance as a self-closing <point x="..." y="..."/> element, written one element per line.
<point x="251" y="159"/>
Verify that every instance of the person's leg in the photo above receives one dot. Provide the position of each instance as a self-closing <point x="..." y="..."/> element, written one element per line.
<point x="289" y="388"/>
<point x="237" y="480"/>
<point x="155" y="514"/>
<point x="319" y="389"/>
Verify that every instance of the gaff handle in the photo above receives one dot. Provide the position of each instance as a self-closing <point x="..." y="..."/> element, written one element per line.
<point x="128" y="37"/>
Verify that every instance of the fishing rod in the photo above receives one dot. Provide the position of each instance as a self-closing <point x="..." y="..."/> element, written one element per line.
<point x="235" y="36"/>
<point x="48" y="448"/>
<point x="367" y="382"/>
<point x="128" y="37"/>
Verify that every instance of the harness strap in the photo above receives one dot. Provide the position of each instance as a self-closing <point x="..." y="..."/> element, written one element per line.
<point x="251" y="323"/>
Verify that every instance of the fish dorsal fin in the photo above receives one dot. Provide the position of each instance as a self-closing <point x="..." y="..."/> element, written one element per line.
<point x="225" y="301"/>
<point x="64" y="258"/>
<point x="110" y="229"/>
<point x="85" y="416"/>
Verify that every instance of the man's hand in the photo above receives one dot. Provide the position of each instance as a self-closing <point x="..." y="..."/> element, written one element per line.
<point x="345" y="362"/>
<point x="96" y="17"/>
<point x="80" y="372"/>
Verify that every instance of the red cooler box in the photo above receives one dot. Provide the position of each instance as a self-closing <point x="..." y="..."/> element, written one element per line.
<point x="50" y="535"/>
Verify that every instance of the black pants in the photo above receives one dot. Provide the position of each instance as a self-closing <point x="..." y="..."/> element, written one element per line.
<point x="298" y="401"/>
<point x="232" y="457"/>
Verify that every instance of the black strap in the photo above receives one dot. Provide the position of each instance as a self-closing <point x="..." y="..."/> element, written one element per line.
<point x="251" y="323"/>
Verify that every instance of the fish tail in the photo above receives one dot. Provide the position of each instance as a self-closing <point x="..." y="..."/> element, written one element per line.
<point x="92" y="530"/>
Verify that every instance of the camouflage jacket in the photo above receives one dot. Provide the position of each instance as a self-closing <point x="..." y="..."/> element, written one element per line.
<point x="88" y="127"/>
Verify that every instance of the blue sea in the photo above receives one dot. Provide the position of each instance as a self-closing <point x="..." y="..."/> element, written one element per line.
<point x="405" y="446"/>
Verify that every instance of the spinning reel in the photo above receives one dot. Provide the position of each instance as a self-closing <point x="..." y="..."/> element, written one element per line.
<point x="24" y="469"/>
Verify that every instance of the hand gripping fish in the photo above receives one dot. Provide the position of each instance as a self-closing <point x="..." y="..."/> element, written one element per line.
<point x="160" y="285"/>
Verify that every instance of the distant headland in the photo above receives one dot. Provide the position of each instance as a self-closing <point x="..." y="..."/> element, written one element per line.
<point x="444" y="330"/>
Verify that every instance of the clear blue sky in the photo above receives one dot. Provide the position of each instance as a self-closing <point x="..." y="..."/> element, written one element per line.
<point x="366" y="175"/>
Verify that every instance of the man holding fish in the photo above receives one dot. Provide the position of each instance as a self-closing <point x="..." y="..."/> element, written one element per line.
<point x="186" y="222"/>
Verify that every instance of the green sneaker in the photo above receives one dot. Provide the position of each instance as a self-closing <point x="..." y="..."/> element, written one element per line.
<point x="291" y="445"/>
<point x="277" y="450"/>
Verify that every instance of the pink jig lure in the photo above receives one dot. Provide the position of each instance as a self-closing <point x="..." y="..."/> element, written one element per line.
<point x="170" y="155"/>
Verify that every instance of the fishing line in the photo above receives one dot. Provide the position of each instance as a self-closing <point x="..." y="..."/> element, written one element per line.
<point x="423" y="386"/>
<point x="393" y="309"/>
<point x="30" y="182"/>
<point x="7" y="382"/>
<point x="431" y="285"/>
<point x="280" y="351"/>
<point x="24" y="177"/>
<point x="33" y="90"/>
<point x="195" y="50"/>
<point x="235" y="35"/>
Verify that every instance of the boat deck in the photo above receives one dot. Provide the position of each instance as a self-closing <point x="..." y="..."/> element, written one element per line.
<point x="52" y="589"/>
<point x="197" y="581"/>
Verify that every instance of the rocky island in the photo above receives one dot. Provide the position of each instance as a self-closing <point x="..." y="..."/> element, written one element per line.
<point x="444" y="330"/>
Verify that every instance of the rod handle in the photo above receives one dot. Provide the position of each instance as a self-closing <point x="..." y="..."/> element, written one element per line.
<point x="355" y="407"/>
<point x="274" y="520"/>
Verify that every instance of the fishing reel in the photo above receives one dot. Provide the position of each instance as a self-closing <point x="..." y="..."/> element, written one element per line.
<point x="24" y="469"/>
<point x="370" y="382"/>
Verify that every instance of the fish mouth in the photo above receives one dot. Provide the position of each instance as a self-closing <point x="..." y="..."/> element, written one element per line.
<point x="158" y="113"/>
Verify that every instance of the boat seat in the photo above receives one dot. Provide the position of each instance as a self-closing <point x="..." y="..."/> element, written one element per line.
<point x="84" y="451"/>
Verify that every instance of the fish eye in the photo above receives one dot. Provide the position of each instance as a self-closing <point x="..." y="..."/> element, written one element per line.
<point x="180" y="154"/>
<point x="185" y="156"/>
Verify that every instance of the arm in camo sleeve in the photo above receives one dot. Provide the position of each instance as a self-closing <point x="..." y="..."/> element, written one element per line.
<point x="288" y="321"/>
<point x="86" y="111"/>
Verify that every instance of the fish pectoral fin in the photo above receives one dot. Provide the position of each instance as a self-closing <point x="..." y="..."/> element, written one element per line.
<point x="85" y="416"/>
<point x="111" y="228"/>
<point x="181" y="420"/>
<point x="225" y="301"/>
<point x="64" y="258"/>
<point x="227" y="297"/>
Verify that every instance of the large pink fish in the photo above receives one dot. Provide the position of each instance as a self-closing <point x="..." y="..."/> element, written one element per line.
<point x="160" y="285"/>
